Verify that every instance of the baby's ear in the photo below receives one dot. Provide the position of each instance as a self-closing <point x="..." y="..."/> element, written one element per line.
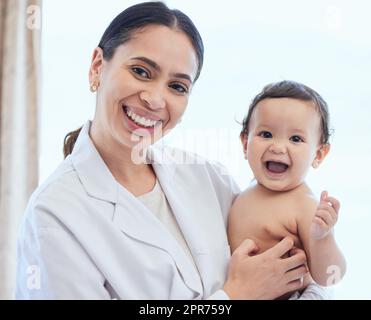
<point x="321" y="154"/>
<point x="243" y="137"/>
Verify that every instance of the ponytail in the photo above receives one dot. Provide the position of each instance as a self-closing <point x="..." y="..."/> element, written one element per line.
<point x="69" y="141"/>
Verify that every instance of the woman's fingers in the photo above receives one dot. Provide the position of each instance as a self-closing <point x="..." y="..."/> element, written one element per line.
<point x="295" y="285"/>
<point x="281" y="247"/>
<point x="296" y="274"/>
<point x="293" y="251"/>
<point x="296" y="260"/>
<point x="247" y="247"/>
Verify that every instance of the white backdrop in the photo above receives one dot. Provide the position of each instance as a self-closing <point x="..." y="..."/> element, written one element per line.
<point x="324" y="44"/>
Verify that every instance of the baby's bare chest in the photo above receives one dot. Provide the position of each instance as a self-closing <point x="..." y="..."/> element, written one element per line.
<point x="269" y="222"/>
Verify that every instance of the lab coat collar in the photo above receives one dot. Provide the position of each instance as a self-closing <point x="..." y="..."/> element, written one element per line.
<point x="94" y="174"/>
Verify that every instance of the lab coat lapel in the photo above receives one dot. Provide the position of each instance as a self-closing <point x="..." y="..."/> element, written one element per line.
<point x="138" y="222"/>
<point x="179" y="200"/>
<point x="181" y="205"/>
<point x="135" y="220"/>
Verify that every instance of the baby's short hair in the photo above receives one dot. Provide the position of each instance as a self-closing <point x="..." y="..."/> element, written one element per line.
<point x="294" y="90"/>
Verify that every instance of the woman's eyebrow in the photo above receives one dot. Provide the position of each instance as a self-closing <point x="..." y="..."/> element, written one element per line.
<point x="155" y="66"/>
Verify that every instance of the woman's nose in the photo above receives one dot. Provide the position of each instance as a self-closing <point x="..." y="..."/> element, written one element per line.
<point x="153" y="100"/>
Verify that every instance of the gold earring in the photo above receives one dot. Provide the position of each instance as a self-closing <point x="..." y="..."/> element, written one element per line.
<point x="94" y="86"/>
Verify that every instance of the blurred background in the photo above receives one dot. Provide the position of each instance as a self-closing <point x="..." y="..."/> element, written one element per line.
<point x="324" y="44"/>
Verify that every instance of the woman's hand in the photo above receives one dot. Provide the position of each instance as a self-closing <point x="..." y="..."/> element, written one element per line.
<point x="265" y="275"/>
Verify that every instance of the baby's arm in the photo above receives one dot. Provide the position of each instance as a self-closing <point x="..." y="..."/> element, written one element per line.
<point x="237" y="222"/>
<point x="326" y="262"/>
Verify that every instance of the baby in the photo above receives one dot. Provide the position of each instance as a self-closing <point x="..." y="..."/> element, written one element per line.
<point x="285" y="132"/>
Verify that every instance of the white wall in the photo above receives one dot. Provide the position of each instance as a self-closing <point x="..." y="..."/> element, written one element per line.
<point x="324" y="44"/>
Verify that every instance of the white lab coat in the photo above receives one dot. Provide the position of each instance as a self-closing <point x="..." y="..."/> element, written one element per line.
<point x="84" y="236"/>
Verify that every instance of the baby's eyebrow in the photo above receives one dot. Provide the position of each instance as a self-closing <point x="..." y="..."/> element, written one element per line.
<point x="263" y="125"/>
<point x="299" y="131"/>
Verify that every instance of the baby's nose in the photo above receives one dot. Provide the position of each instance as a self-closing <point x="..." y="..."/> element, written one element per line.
<point x="277" y="148"/>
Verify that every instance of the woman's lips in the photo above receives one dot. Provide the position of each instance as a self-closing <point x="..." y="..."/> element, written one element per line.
<point x="137" y="127"/>
<point x="140" y="113"/>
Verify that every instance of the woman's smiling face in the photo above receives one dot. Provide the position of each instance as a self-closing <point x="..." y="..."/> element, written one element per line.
<point x="144" y="89"/>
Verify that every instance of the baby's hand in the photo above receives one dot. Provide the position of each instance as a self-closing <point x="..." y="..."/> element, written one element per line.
<point x="325" y="217"/>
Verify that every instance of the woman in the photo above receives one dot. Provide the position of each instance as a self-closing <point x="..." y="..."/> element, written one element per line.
<point x="107" y="225"/>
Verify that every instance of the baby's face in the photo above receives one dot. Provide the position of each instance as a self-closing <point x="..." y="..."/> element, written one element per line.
<point x="283" y="142"/>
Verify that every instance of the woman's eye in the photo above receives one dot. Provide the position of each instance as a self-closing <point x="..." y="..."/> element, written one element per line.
<point x="179" y="88"/>
<point x="141" y="72"/>
<point x="296" y="139"/>
<point x="265" y="134"/>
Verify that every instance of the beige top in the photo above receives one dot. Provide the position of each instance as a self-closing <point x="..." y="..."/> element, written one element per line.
<point x="157" y="203"/>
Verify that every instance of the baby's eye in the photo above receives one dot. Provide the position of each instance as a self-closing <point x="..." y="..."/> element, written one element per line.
<point x="265" y="134"/>
<point x="141" y="72"/>
<point x="296" y="139"/>
<point x="179" y="88"/>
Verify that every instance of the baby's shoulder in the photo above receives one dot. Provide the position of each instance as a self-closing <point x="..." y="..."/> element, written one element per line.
<point x="304" y="205"/>
<point x="243" y="204"/>
<point x="305" y="200"/>
<point x="250" y="196"/>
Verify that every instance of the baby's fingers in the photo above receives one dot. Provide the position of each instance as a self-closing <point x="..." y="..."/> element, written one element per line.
<point x="334" y="203"/>
<point x="324" y="195"/>
<point x="331" y="210"/>
<point x="328" y="216"/>
<point x="320" y="222"/>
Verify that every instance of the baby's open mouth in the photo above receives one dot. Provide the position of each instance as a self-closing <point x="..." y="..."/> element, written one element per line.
<point x="276" y="167"/>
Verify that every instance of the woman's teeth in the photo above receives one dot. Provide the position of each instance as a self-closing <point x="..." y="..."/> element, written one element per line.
<point x="140" y="120"/>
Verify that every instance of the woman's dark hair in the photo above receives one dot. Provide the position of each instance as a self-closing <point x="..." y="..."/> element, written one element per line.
<point x="294" y="90"/>
<point x="131" y="20"/>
